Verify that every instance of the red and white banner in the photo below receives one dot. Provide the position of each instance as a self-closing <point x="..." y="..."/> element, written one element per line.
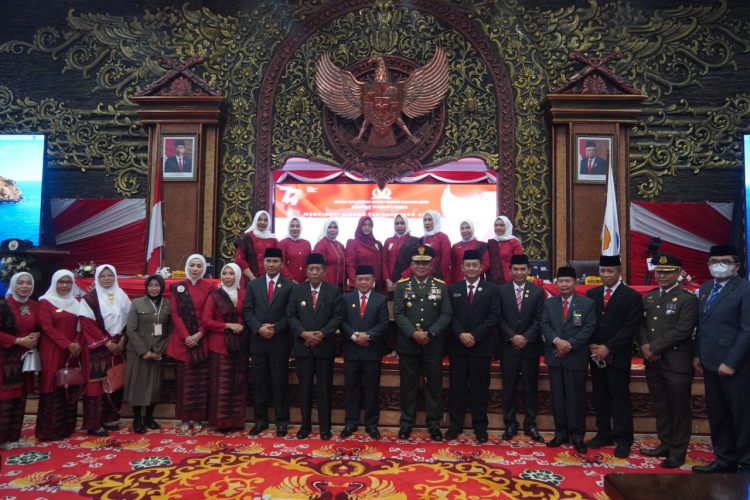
<point x="687" y="231"/>
<point x="155" y="228"/>
<point x="108" y="230"/>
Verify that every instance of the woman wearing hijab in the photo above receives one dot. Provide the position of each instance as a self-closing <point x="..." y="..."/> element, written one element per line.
<point x="227" y="352"/>
<point x="501" y="248"/>
<point x="186" y="345"/>
<point x="59" y="345"/>
<point x="468" y="242"/>
<point x="364" y="249"/>
<point x="439" y="242"/>
<point x="334" y="254"/>
<point x="147" y="330"/>
<point x="252" y="245"/>
<point x="103" y="315"/>
<point x="397" y="252"/>
<point x="19" y="332"/>
<point x="295" y="251"/>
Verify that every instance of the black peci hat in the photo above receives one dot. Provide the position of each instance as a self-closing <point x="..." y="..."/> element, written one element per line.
<point x="722" y="250"/>
<point x="610" y="261"/>
<point x="566" y="272"/>
<point x="316" y="258"/>
<point x="365" y="269"/>
<point x="273" y="253"/>
<point x="519" y="259"/>
<point x="472" y="255"/>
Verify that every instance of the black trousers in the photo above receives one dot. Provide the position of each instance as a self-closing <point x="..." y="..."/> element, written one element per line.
<point x="568" y="389"/>
<point x="515" y="366"/>
<point x="414" y="368"/>
<point x="315" y="371"/>
<point x="362" y="387"/>
<point x="670" y="398"/>
<point x="270" y="376"/>
<point x="614" y="410"/>
<point x="728" y="405"/>
<point x="474" y="373"/>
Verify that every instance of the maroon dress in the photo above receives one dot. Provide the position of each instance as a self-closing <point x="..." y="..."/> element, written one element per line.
<point x="335" y="257"/>
<point x="295" y="258"/>
<point x="250" y="252"/>
<point x="457" y="258"/>
<point x="500" y="254"/>
<point x="364" y="250"/>
<point x="441" y="263"/>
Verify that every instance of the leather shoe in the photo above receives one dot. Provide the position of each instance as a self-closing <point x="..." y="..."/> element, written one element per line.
<point x="510" y="431"/>
<point x="257" y="429"/>
<point x="660" y="451"/>
<point x="404" y="432"/>
<point x="101" y="432"/>
<point x="451" y="434"/>
<point x="556" y="442"/>
<point x="481" y="436"/>
<point x="580" y="446"/>
<point x="373" y="432"/>
<point x="533" y="433"/>
<point x="435" y="434"/>
<point x="599" y="442"/>
<point x="671" y="463"/>
<point x="282" y="431"/>
<point x="325" y="435"/>
<point x="303" y="433"/>
<point x="715" y="467"/>
<point x="622" y="450"/>
<point x="347" y="431"/>
<point x="138" y="427"/>
<point x="151" y="424"/>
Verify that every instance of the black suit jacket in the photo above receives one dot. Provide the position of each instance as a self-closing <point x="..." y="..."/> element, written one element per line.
<point x="527" y="322"/>
<point x="576" y="329"/>
<point x="618" y="323"/>
<point x="724" y="330"/>
<point x="326" y="317"/>
<point x="256" y="310"/>
<point x="170" y="165"/>
<point x="478" y="318"/>
<point x="598" y="168"/>
<point x="374" y="323"/>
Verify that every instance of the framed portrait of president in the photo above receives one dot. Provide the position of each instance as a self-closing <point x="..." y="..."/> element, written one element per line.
<point x="178" y="158"/>
<point x="593" y="159"/>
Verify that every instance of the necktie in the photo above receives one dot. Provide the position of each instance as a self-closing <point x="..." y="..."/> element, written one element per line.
<point x="591" y="165"/>
<point x="362" y="306"/>
<point x="519" y="298"/>
<point x="565" y="309"/>
<point x="179" y="164"/>
<point x="714" y="295"/>
<point x="270" y="291"/>
<point x="314" y="294"/>
<point x="607" y="296"/>
<point x="471" y="294"/>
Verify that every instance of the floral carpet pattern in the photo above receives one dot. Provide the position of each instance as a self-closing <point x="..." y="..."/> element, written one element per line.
<point x="166" y="464"/>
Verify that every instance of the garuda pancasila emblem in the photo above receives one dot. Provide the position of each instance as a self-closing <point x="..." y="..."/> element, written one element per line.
<point x="382" y="101"/>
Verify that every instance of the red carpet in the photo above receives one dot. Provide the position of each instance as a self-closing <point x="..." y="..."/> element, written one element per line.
<point x="165" y="464"/>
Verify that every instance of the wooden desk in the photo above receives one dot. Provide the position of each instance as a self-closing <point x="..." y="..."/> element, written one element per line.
<point x="677" y="486"/>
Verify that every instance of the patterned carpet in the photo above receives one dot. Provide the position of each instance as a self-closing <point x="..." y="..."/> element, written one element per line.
<point x="165" y="464"/>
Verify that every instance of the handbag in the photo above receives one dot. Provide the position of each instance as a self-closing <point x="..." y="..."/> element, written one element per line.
<point x="115" y="377"/>
<point x="68" y="376"/>
<point x="31" y="361"/>
<point x="234" y="342"/>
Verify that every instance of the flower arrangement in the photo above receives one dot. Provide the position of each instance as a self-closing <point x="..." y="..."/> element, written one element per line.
<point x="15" y="264"/>
<point x="178" y="274"/>
<point x="86" y="270"/>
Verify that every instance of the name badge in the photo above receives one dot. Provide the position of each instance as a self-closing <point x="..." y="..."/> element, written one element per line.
<point x="157" y="330"/>
<point x="577" y="318"/>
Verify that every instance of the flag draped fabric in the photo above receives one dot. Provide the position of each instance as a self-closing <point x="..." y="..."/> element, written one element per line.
<point x="155" y="229"/>
<point x="611" y="227"/>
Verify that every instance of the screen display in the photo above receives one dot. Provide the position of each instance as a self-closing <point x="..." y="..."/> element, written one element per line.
<point x="21" y="168"/>
<point x="314" y="203"/>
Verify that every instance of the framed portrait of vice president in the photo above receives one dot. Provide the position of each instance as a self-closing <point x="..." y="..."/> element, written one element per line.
<point x="178" y="158"/>
<point x="593" y="159"/>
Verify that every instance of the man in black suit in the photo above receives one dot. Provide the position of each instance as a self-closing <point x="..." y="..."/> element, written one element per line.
<point x="592" y="164"/>
<point x="315" y="314"/>
<point x="364" y="328"/>
<point x="666" y="338"/>
<point x="264" y="312"/>
<point x="619" y="311"/>
<point x="568" y="323"/>
<point x="179" y="163"/>
<point x="521" y="304"/>
<point x="723" y="353"/>
<point x="422" y="311"/>
<point x="474" y="326"/>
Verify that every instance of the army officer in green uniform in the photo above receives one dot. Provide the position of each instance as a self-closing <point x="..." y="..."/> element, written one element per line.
<point x="666" y="339"/>
<point x="422" y="310"/>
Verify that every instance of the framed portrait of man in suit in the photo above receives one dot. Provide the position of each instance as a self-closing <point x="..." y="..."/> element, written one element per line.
<point x="593" y="159"/>
<point x="178" y="158"/>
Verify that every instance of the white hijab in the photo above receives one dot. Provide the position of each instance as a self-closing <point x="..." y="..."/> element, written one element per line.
<point x="324" y="234"/>
<point x="12" y="287"/>
<point x="65" y="302"/>
<point x="254" y="226"/>
<point x="471" y="224"/>
<point x="435" y="221"/>
<point x="187" y="267"/>
<point x="289" y="227"/>
<point x="115" y="315"/>
<point x="508" y="235"/>
<point x="406" y="231"/>
<point x="231" y="290"/>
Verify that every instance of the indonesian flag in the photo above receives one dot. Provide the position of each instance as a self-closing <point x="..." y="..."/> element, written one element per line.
<point x="611" y="227"/>
<point x="155" y="229"/>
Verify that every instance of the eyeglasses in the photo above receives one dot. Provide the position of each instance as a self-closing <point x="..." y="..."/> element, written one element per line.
<point x="599" y="363"/>
<point x="728" y="262"/>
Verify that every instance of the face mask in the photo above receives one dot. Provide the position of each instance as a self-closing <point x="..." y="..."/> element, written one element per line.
<point x="721" y="270"/>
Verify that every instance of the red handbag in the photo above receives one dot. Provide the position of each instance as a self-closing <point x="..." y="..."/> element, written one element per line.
<point x="68" y="376"/>
<point x="115" y="377"/>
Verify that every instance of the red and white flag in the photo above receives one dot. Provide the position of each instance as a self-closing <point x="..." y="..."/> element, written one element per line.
<point x="155" y="228"/>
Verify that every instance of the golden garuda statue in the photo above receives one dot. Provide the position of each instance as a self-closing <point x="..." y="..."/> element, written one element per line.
<point x="382" y="101"/>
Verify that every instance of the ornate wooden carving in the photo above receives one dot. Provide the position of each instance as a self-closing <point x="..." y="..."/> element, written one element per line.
<point x="596" y="77"/>
<point x="179" y="80"/>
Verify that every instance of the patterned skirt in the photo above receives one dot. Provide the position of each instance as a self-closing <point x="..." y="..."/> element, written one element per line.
<point x="191" y="380"/>
<point x="227" y="390"/>
<point x="56" y="416"/>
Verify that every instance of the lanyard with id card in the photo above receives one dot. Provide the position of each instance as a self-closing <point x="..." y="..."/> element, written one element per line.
<point x="157" y="326"/>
